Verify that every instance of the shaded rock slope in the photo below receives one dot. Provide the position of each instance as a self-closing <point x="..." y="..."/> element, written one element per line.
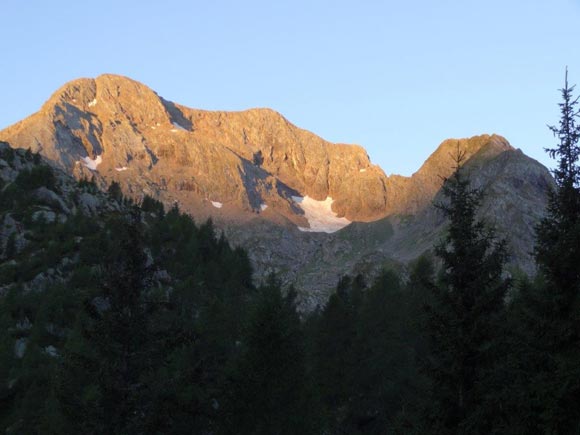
<point x="250" y="171"/>
<point x="33" y="199"/>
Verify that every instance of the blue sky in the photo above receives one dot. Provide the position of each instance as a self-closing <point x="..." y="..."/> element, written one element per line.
<point x="396" y="77"/>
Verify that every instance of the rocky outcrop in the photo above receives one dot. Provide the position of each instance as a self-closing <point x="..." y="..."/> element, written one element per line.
<point x="417" y="192"/>
<point x="55" y="202"/>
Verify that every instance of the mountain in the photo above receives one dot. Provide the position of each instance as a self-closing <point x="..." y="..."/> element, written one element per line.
<point x="37" y="203"/>
<point x="282" y="192"/>
<point x="243" y="161"/>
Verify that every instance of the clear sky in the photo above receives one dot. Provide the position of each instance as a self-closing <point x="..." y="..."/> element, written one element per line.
<point x="396" y="77"/>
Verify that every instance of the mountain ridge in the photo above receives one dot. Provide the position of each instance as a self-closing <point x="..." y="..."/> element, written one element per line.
<point x="247" y="135"/>
<point x="249" y="170"/>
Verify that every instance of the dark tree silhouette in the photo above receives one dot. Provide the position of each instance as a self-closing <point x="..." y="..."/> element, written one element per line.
<point x="466" y="310"/>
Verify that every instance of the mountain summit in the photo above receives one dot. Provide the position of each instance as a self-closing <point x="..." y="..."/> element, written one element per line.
<point x="250" y="162"/>
<point x="242" y="163"/>
<point x="273" y="187"/>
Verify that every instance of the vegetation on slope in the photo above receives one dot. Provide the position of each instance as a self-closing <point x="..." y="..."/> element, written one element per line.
<point x="127" y="319"/>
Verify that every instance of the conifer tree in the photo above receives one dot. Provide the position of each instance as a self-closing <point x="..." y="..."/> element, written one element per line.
<point x="555" y="307"/>
<point x="107" y="356"/>
<point x="384" y="358"/>
<point x="558" y="235"/>
<point x="270" y="389"/>
<point x="464" y="315"/>
<point x="333" y="354"/>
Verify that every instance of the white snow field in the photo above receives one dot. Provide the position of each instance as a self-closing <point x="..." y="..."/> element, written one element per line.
<point x="320" y="215"/>
<point x="92" y="164"/>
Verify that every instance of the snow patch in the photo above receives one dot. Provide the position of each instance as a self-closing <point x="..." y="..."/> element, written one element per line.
<point x="362" y="170"/>
<point x="320" y="215"/>
<point x="92" y="163"/>
<point x="93" y="103"/>
<point x="121" y="169"/>
<point x="178" y="127"/>
<point x="263" y="206"/>
<point x="216" y="204"/>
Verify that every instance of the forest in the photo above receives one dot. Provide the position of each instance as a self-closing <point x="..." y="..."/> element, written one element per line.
<point x="157" y="327"/>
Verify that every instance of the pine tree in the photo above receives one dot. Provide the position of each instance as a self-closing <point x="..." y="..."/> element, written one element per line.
<point x="464" y="316"/>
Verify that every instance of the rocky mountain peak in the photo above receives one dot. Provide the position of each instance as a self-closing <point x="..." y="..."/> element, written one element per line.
<point x="234" y="166"/>
<point x="441" y="161"/>
<point x="250" y="161"/>
<point x="272" y="186"/>
<point x="415" y="193"/>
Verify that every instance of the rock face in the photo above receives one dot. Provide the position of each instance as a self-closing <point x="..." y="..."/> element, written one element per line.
<point x="250" y="170"/>
<point x="121" y="130"/>
<point x="56" y="201"/>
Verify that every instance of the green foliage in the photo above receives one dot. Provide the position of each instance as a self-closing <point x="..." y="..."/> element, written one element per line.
<point x="466" y="313"/>
<point x="173" y="325"/>
<point x="6" y="152"/>
<point x="151" y="324"/>
<point x="549" y="309"/>
<point x="10" y="249"/>
<point x="151" y="205"/>
<point x="87" y="185"/>
<point x="37" y="176"/>
<point x="567" y="151"/>
<point x="385" y="359"/>
<point x="115" y="191"/>
<point x="333" y="332"/>
<point x="558" y="234"/>
<point x="116" y="328"/>
<point x="16" y="197"/>
<point x="271" y="392"/>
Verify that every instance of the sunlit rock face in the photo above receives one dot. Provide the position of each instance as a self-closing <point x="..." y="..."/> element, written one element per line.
<point x="118" y="129"/>
<point x="250" y="162"/>
<point x="307" y="209"/>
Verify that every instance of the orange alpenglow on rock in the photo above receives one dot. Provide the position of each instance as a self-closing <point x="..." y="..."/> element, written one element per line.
<point x="273" y="187"/>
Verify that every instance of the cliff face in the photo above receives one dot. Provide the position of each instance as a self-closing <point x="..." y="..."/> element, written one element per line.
<point x="267" y="182"/>
<point x="243" y="160"/>
<point x="250" y="162"/>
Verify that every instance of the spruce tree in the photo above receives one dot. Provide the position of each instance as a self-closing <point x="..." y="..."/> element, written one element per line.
<point x="102" y="388"/>
<point x="334" y="358"/>
<point x="558" y="234"/>
<point x="464" y="315"/>
<point x="270" y="389"/>
<point x="556" y="307"/>
<point x="384" y="375"/>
